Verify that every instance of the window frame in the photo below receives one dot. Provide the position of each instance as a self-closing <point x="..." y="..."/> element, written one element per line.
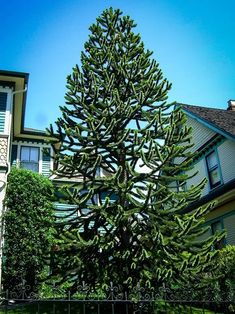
<point x="211" y="169"/>
<point x="221" y="243"/>
<point x="29" y="161"/>
<point x="181" y="186"/>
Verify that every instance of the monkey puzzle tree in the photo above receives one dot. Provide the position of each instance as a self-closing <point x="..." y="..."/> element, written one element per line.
<point x="129" y="226"/>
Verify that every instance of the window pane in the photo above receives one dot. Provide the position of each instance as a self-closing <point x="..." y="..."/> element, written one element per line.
<point x="29" y="158"/>
<point x="212" y="160"/>
<point x="33" y="166"/>
<point x="217" y="226"/>
<point x="214" y="177"/>
<point x="24" y="154"/>
<point x="34" y="154"/>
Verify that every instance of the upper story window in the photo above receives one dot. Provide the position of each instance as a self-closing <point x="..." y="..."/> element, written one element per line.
<point x="181" y="186"/>
<point x="29" y="158"/>
<point x="213" y="170"/>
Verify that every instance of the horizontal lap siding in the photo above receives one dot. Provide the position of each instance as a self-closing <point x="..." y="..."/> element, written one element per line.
<point x="200" y="133"/>
<point x="65" y="212"/>
<point x="226" y="153"/>
<point x="46" y="162"/>
<point x="204" y="236"/>
<point x="46" y="165"/>
<point x="229" y="225"/>
<point x="200" y="168"/>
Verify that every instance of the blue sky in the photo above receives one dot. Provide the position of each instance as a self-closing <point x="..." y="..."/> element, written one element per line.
<point x="194" y="42"/>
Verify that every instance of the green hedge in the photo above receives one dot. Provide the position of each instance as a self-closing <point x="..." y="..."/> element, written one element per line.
<point x="28" y="234"/>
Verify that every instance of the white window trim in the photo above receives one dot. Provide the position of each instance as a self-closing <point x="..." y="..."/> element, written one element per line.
<point x="37" y="145"/>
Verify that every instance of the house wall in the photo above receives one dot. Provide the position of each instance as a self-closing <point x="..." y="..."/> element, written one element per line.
<point x="200" y="133"/>
<point x="226" y="153"/>
<point x="200" y="169"/>
<point x="226" y="157"/>
<point x="224" y="213"/>
<point x="45" y="162"/>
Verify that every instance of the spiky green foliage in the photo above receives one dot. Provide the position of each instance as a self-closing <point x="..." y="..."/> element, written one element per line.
<point x="129" y="227"/>
<point x="28" y="222"/>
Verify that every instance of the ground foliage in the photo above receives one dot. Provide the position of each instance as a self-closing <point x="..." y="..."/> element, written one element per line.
<point x="28" y="228"/>
<point x="120" y="139"/>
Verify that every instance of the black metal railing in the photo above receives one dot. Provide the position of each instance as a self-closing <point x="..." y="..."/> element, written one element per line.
<point x="113" y="300"/>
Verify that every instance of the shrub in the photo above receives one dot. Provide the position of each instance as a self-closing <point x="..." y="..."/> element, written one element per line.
<point x="28" y="231"/>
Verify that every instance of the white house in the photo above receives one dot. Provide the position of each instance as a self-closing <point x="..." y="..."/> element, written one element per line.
<point x="213" y="133"/>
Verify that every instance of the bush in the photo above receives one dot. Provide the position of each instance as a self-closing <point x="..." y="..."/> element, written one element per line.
<point x="28" y="232"/>
<point x="226" y="272"/>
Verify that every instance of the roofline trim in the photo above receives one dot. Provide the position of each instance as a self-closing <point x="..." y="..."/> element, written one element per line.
<point x="208" y="124"/>
<point x="15" y="74"/>
<point x="213" y="195"/>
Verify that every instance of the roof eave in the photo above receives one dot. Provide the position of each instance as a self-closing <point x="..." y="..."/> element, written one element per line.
<point x="208" y="124"/>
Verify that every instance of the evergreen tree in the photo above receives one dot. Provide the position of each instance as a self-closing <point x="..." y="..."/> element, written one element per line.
<point x="130" y="226"/>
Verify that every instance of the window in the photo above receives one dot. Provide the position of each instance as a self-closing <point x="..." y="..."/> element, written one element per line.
<point x="213" y="169"/>
<point x="29" y="158"/>
<point x="181" y="186"/>
<point x="217" y="226"/>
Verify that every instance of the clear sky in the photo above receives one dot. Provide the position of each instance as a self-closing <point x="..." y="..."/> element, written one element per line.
<point x="193" y="40"/>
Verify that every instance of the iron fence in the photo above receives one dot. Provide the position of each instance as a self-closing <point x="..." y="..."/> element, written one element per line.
<point x="113" y="300"/>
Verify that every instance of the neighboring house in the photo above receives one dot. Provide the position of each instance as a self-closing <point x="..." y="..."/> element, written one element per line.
<point x="24" y="147"/>
<point x="213" y="133"/>
<point x="19" y="145"/>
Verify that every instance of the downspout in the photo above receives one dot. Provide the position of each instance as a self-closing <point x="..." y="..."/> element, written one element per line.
<point x="9" y="141"/>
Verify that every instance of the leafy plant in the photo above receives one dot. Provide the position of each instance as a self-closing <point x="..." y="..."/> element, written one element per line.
<point x="28" y="232"/>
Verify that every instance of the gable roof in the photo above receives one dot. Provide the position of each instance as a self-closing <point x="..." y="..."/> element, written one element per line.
<point x="222" y="121"/>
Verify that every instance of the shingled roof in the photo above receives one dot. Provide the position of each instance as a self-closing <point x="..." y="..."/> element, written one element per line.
<point x="223" y="120"/>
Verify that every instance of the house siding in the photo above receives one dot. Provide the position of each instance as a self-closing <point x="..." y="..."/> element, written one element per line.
<point x="226" y="153"/>
<point x="226" y="214"/>
<point x="200" y="168"/>
<point x="200" y="133"/>
<point x="229" y="225"/>
<point x="205" y="235"/>
<point x="45" y="161"/>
